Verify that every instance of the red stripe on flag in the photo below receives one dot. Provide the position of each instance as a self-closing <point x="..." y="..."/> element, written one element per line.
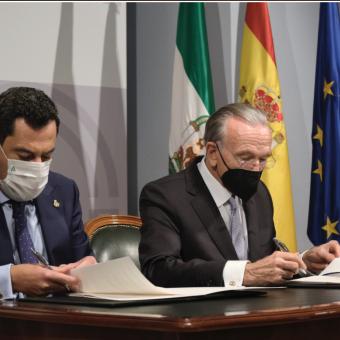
<point x="258" y="21"/>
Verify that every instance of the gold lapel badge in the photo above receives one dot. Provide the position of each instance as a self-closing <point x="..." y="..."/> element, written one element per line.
<point x="56" y="203"/>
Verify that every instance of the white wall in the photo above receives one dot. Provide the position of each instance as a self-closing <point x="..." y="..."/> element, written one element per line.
<point x="76" y="53"/>
<point x="30" y="31"/>
<point x="294" y="27"/>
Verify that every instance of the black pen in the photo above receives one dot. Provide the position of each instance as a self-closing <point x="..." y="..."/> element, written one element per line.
<point x="41" y="259"/>
<point x="282" y="247"/>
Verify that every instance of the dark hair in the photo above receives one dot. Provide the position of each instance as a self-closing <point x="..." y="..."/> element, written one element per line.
<point x="33" y="105"/>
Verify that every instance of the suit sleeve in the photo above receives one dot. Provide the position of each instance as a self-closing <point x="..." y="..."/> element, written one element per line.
<point x="161" y="250"/>
<point x="79" y="240"/>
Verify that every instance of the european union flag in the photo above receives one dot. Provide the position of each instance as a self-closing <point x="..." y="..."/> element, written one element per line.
<point x="324" y="205"/>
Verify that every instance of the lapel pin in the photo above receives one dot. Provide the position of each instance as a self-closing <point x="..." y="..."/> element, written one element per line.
<point x="56" y="203"/>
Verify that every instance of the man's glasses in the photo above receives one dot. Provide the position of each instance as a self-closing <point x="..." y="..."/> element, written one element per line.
<point x="267" y="163"/>
<point x="248" y="164"/>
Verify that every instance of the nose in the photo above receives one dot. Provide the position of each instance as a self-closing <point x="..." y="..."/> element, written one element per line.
<point x="256" y="165"/>
<point x="37" y="159"/>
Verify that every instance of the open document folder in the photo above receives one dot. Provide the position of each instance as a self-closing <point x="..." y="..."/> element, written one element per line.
<point x="121" y="280"/>
<point x="329" y="277"/>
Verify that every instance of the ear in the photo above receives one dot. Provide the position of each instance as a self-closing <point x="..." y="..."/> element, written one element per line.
<point x="211" y="155"/>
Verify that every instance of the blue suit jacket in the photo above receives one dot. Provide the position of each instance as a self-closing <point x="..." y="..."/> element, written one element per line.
<point x="62" y="226"/>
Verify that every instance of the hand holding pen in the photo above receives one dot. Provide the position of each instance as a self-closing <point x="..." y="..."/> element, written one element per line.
<point x="282" y="247"/>
<point x="43" y="261"/>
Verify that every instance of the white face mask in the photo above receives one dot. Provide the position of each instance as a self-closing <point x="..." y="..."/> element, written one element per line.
<point x="25" y="180"/>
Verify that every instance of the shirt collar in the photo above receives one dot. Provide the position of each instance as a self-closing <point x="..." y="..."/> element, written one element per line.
<point x="3" y="198"/>
<point x="218" y="192"/>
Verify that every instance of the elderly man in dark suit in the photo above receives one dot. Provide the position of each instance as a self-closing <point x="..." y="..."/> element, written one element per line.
<point x="212" y="224"/>
<point x="40" y="210"/>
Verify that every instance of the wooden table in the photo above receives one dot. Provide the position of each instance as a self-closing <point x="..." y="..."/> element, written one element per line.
<point x="281" y="314"/>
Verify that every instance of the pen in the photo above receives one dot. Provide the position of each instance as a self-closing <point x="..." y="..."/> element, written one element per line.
<point x="42" y="260"/>
<point x="282" y="247"/>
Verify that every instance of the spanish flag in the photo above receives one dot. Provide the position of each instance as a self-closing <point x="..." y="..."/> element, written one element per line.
<point x="260" y="86"/>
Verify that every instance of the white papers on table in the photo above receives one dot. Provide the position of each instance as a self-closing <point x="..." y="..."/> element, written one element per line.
<point x="120" y="279"/>
<point x="330" y="275"/>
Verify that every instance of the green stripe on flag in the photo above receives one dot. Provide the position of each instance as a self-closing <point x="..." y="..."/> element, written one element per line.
<point x="192" y="43"/>
<point x="192" y="91"/>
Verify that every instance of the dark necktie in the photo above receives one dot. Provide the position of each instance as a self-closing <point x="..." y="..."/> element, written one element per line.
<point x="22" y="237"/>
<point x="237" y="234"/>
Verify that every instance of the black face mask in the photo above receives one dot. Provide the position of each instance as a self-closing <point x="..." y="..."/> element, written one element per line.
<point x="240" y="182"/>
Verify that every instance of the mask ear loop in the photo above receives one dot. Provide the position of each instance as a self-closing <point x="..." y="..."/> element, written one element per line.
<point x="3" y="164"/>
<point x="222" y="156"/>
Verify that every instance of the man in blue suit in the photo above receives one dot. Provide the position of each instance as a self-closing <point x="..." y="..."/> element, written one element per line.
<point x="40" y="209"/>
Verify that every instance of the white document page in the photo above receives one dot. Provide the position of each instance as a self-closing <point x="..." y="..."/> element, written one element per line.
<point x="331" y="274"/>
<point x="120" y="279"/>
<point x="319" y="279"/>
<point x="119" y="276"/>
<point x="333" y="269"/>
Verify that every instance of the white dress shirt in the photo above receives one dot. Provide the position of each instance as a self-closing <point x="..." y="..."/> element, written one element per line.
<point x="233" y="271"/>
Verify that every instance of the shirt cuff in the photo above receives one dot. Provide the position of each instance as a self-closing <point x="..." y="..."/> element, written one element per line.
<point x="233" y="273"/>
<point x="6" y="290"/>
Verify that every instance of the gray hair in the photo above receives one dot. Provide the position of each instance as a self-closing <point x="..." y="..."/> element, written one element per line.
<point x="215" y="126"/>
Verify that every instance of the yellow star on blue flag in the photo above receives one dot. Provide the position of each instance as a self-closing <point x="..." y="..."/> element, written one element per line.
<point x="318" y="170"/>
<point x="329" y="227"/>
<point x="327" y="89"/>
<point x="324" y="202"/>
<point x="319" y="134"/>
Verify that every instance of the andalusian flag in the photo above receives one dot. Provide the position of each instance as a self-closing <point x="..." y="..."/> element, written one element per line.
<point x="259" y="86"/>
<point x="324" y="204"/>
<point x="192" y="93"/>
